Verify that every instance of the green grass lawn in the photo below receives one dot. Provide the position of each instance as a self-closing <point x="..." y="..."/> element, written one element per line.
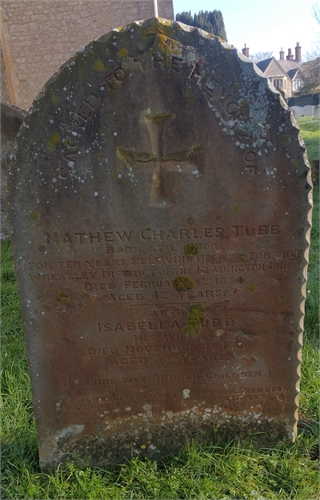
<point x="228" y="471"/>
<point x="310" y="130"/>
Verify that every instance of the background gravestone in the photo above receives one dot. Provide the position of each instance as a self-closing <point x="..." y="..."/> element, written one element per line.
<point x="161" y="215"/>
<point x="11" y="119"/>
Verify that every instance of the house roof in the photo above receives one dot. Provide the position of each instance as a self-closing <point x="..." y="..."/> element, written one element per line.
<point x="293" y="73"/>
<point x="289" y="65"/>
<point x="262" y="65"/>
<point x="273" y="68"/>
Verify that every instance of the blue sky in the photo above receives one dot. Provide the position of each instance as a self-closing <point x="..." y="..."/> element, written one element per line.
<point x="264" y="25"/>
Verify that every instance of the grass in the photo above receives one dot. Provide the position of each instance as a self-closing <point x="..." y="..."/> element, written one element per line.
<point x="228" y="471"/>
<point x="310" y="130"/>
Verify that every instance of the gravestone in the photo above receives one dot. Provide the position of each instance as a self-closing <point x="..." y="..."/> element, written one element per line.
<point x="161" y="218"/>
<point x="11" y="119"/>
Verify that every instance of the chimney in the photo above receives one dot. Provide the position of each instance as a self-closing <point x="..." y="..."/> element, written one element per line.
<point x="289" y="56"/>
<point x="245" y="50"/>
<point x="281" y="54"/>
<point x="298" y="53"/>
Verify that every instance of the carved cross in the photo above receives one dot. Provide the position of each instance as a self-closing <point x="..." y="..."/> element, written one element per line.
<point x="187" y="161"/>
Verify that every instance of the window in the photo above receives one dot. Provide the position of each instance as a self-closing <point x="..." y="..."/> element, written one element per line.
<point x="297" y="83"/>
<point x="277" y="84"/>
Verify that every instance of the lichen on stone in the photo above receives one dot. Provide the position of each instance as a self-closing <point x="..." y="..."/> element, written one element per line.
<point x="182" y="283"/>
<point x="195" y="316"/>
<point x="191" y="249"/>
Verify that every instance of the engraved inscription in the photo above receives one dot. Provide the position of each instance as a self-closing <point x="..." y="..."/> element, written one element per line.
<point x="159" y="235"/>
<point x="83" y="113"/>
<point x="133" y="273"/>
<point x="113" y="80"/>
<point x="250" y="166"/>
<point x="197" y="73"/>
<point x="176" y="63"/>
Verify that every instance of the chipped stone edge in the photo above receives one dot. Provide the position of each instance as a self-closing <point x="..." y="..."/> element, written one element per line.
<point x="303" y="295"/>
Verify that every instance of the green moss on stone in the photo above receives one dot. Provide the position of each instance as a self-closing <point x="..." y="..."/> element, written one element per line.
<point x="34" y="215"/>
<point x="62" y="297"/>
<point x="191" y="250"/>
<point x="98" y="66"/>
<point x="195" y="316"/>
<point x="244" y="107"/>
<point x="182" y="283"/>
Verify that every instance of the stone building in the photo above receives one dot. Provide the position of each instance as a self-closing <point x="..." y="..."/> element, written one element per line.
<point x="284" y="73"/>
<point x="38" y="36"/>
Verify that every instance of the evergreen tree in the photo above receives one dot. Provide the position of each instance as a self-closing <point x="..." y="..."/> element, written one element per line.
<point x="185" y="17"/>
<point x="212" y="22"/>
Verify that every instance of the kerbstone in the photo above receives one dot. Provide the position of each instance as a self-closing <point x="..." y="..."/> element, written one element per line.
<point x="161" y="213"/>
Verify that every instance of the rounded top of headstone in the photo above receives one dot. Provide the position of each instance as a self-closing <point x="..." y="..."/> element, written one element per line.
<point x="137" y="83"/>
<point x="228" y="79"/>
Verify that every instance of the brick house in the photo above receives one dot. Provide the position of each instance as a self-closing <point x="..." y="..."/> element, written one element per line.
<point x="38" y="36"/>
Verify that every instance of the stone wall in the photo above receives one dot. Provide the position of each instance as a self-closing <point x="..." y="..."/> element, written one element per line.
<point x="38" y="36"/>
<point x="5" y="96"/>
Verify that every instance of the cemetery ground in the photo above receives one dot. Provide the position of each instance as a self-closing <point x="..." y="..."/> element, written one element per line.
<point x="310" y="131"/>
<point x="227" y="469"/>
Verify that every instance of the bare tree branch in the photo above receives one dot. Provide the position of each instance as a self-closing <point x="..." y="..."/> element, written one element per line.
<point x="261" y="56"/>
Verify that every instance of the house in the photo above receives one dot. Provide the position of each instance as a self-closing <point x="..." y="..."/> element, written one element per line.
<point x="38" y="36"/>
<point x="285" y="73"/>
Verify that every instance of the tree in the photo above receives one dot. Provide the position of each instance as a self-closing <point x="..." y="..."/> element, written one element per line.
<point x="212" y="22"/>
<point x="185" y="18"/>
<point x="261" y="56"/>
<point x="311" y="69"/>
<point x="316" y="15"/>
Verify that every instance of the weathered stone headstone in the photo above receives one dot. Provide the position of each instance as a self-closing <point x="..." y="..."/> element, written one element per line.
<point x="160" y="206"/>
<point x="11" y="119"/>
